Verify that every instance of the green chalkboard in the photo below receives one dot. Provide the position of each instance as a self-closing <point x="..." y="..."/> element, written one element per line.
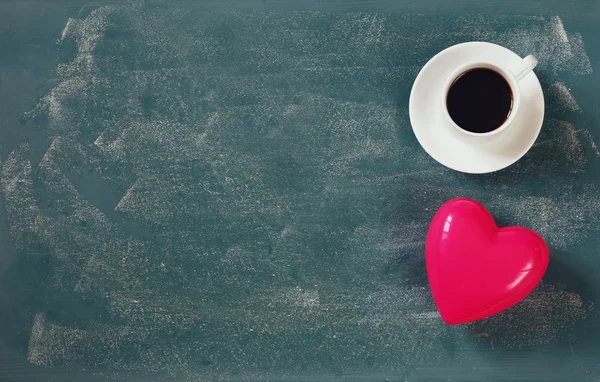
<point x="232" y="191"/>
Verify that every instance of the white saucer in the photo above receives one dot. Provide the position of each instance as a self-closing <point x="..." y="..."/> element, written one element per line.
<point x="447" y="145"/>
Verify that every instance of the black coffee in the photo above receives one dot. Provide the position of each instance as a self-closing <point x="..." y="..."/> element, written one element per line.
<point x="479" y="100"/>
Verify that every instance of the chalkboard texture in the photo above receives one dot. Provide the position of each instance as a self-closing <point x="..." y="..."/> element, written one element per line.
<point x="232" y="191"/>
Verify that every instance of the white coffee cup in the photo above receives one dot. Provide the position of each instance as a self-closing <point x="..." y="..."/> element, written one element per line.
<point x="512" y="77"/>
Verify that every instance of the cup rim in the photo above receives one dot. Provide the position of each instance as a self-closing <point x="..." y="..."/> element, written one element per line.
<point x="510" y="79"/>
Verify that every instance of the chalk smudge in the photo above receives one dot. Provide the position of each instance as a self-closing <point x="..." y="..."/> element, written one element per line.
<point x="561" y="98"/>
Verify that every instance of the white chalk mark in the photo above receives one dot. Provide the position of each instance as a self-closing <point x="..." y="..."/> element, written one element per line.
<point x="593" y="145"/>
<point x="36" y="354"/>
<point x="126" y="198"/>
<point x="99" y="141"/>
<point x="559" y="29"/>
<point x="426" y="315"/>
<point x="564" y="97"/>
<point x="580" y="55"/>
<point x="70" y="24"/>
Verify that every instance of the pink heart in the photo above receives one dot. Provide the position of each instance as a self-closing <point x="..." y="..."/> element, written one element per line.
<point x="476" y="269"/>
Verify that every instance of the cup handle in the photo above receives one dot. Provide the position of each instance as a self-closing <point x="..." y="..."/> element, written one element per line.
<point x="524" y="67"/>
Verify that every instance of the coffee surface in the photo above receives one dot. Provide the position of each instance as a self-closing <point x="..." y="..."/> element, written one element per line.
<point x="479" y="100"/>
